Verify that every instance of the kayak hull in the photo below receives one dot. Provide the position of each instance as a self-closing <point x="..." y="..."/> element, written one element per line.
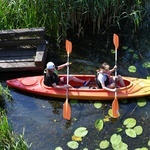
<point x="135" y="87"/>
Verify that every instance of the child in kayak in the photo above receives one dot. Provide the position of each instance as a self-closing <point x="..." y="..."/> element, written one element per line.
<point x="103" y="79"/>
<point x="51" y="77"/>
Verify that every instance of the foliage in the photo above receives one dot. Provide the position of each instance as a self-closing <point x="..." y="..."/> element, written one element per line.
<point x="77" y="16"/>
<point x="7" y="139"/>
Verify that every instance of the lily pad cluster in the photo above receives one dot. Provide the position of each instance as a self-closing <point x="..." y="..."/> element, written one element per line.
<point x="132" y="130"/>
<point x="79" y="133"/>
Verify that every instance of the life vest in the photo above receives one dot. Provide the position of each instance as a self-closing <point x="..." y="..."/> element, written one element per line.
<point x="99" y="83"/>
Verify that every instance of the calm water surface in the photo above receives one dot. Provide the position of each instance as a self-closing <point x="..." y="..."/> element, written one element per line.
<point x="42" y="117"/>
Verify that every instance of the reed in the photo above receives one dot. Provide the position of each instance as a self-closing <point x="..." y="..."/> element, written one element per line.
<point x="60" y="16"/>
<point x="8" y="140"/>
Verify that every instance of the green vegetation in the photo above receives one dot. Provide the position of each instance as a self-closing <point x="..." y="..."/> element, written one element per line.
<point x="8" y="140"/>
<point x="77" y="16"/>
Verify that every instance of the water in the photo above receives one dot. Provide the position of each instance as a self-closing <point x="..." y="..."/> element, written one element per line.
<point x="42" y="117"/>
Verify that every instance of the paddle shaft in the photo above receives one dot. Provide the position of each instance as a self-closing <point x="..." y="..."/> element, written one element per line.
<point x="67" y="90"/>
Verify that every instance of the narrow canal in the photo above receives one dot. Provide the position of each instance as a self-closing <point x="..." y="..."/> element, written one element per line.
<point x="41" y="117"/>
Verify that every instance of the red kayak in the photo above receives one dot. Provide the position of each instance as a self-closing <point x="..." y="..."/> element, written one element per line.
<point x="135" y="87"/>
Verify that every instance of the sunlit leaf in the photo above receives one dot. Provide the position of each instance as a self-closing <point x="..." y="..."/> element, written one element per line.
<point x="85" y="148"/>
<point x="132" y="69"/>
<point x="141" y="102"/>
<point x="73" y="144"/>
<point x="143" y="148"/>
<point x="58" y="148"/>
<point x="146" y="64"/>
<point x="73" y="102"/>
<point x="113" y="51"/>
<point x="124" y="47"/>
<point x="110" y="112"/>
<point x="81" y="132"/>
<point x="120" y="146"/>
<point x="149" y="143"/>
<point x="138" y="130"/>
<point x="106" y="119"/>
<point x="129" y="122"/>
<point x="76" y="138"/>
<point x="99" y="124"/>
<point x="97" y="105"/>
<point x="115" y="139"/>
<point x="130" y="133"/>
<point x="148" y="77"/>
<point x="104" y="144"/>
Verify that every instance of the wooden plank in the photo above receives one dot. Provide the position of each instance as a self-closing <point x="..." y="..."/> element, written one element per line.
<point x="17" y="65"/>
<point x="22" y="42"/>
<point x="9" y="60"/>
<point x="22" y="32"/>
<point x="40" y="54"/>
<point x="18" y="53"/>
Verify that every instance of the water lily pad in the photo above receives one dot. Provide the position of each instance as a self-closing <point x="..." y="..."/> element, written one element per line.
<point x="141" y="102"/>
<point x="99" y="124"/>
<point x="129" y="122"/>
<point x="58" y="148"/>
<point x="115" y="139"/>
<point x="73" y="144"/>
<point x="81" y="132"/>
<point x="143" y="148"/>
<point x="119" y="129"/>
<point x="132" y="69"/>
<point x="110" y="112"/>
<point x="135" y="56"/>
<point x="124" y="47"/>
<point x="104" y="144"/>
<point x="85" y="148"/>
<point x="76" y="138"/>
<point x="97" y="105"/>
<point x="148" y="77"/>
<point x="130" y="50"/>
<point x="146" y="64"/>
<point x="73" y="102"/>
<point x="138" y="130"/>
<point x="120" y="146"/>
<point x="149" y="143"/>
<point x="130" y="133"/>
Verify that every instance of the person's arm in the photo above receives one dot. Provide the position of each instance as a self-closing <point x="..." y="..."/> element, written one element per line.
<point x="108" y="89"/>
<point x="62" y="66"/>
<point x="113" y="69"/>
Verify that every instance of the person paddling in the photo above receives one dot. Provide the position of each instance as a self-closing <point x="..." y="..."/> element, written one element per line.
<point x="103" y="80"/>
<point x="51" y="77"/>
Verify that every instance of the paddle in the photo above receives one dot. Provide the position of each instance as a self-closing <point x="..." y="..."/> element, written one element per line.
<point x="115" y="105"/>
<point x="66" y="106"/>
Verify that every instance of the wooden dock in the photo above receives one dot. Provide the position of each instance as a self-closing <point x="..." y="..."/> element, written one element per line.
<point x="22" y="49"/>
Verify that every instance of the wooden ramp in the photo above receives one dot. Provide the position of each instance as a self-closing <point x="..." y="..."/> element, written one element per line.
<point x="22" y="49"/>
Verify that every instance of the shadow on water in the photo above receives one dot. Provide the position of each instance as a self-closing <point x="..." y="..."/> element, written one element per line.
<point x="42" y="117"/>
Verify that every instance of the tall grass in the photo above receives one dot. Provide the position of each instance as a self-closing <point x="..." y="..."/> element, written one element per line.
<point x="59" y="16"/>
<point x="8" y="140"/>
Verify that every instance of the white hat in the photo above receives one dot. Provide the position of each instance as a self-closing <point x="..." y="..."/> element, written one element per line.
<point x="50" y="65"/>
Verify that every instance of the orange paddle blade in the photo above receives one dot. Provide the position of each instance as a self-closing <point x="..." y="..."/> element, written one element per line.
<point x="66" y="110"/>
<point x="115" y="108"/>
<point x="68" y="47"/>
<point x="116" y="41"/>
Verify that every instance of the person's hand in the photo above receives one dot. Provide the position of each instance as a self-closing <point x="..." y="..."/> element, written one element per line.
<point x="66" y="64"/>
<point x="115" y="67"/>
<point x="68" y="86"/>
